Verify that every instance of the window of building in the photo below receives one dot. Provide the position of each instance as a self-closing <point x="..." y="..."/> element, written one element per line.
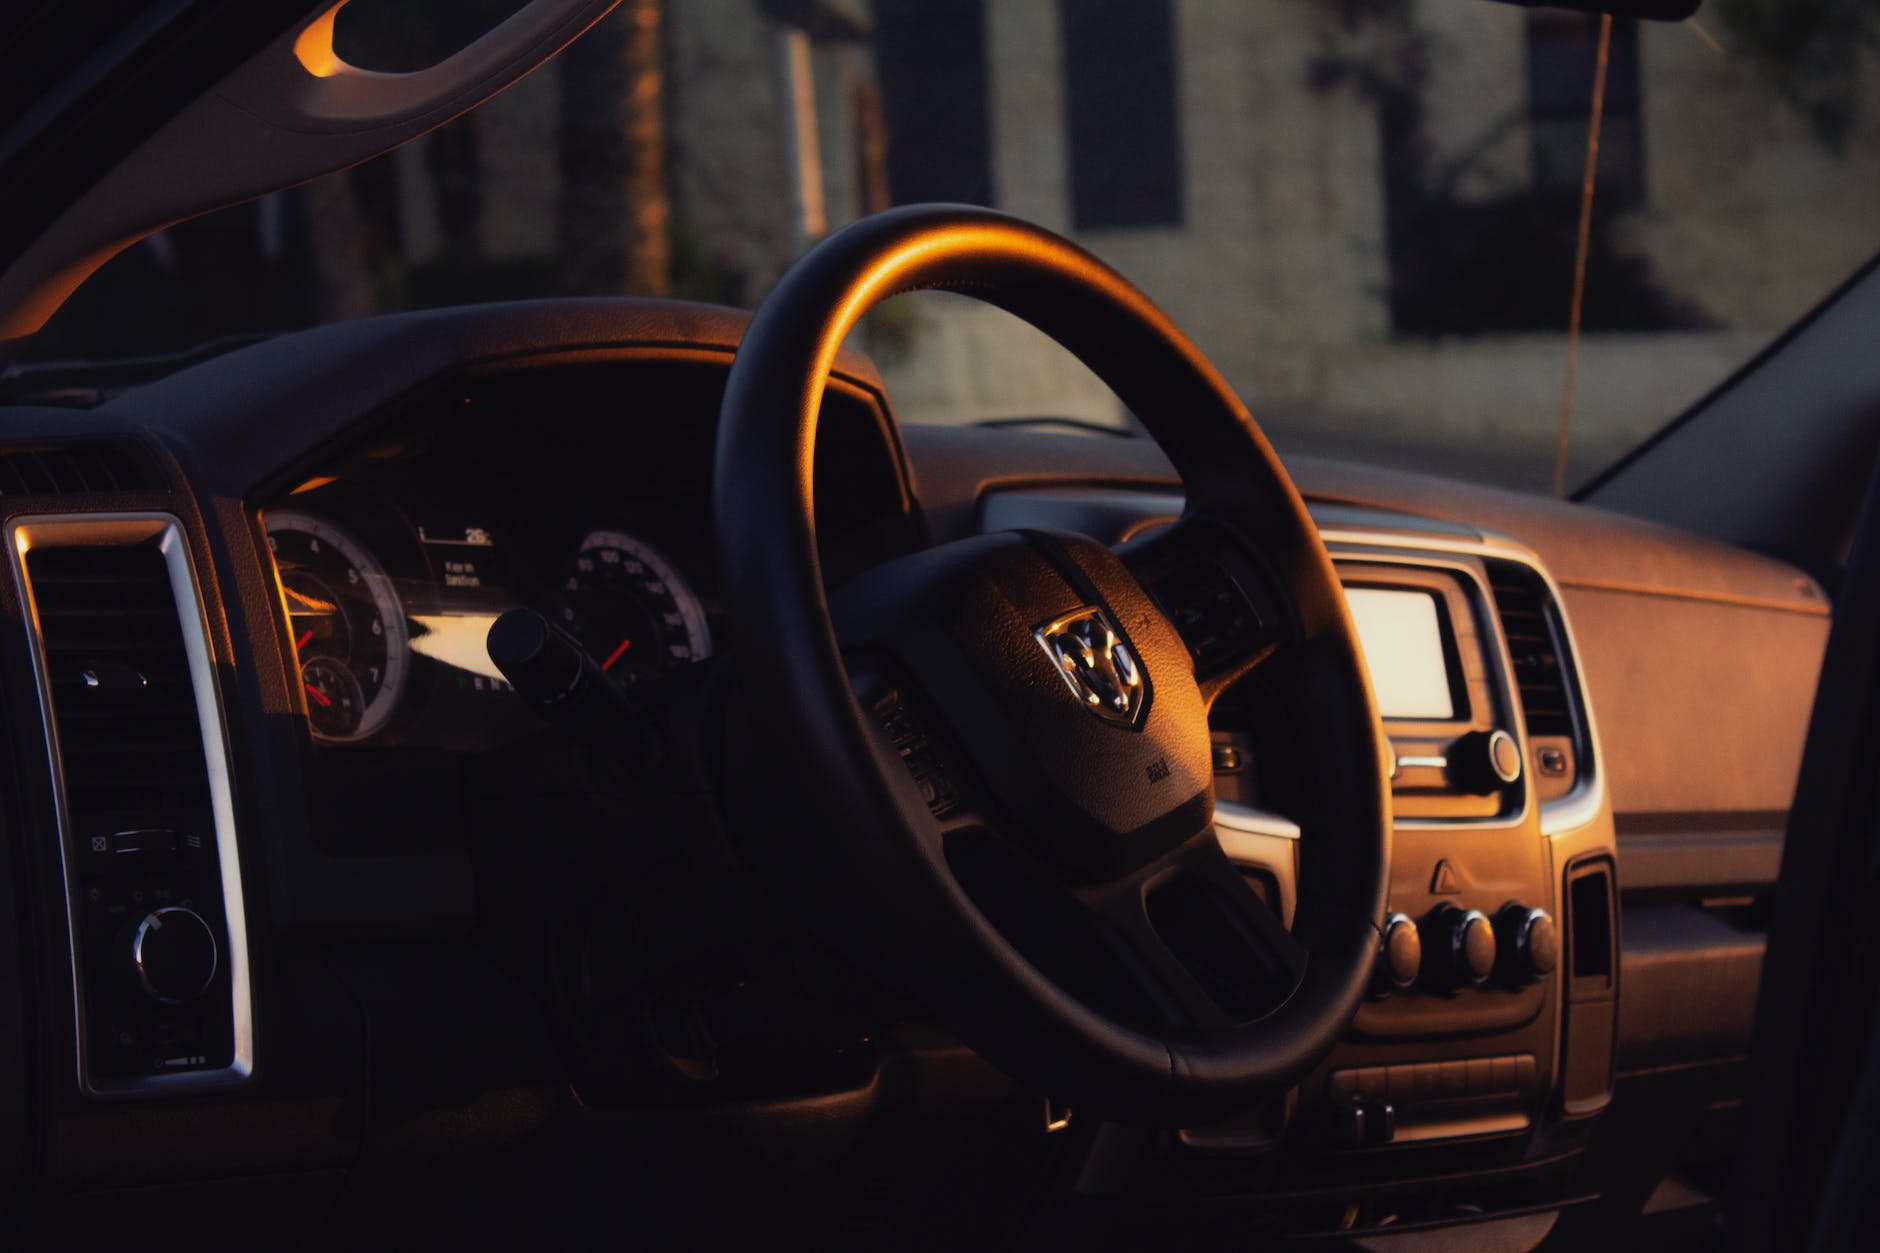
<point x="930" y="62"/>
<point x="1121" y="113"/>
<point x="1562" y="54"/>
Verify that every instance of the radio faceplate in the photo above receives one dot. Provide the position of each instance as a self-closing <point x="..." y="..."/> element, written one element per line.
<point x="1428" y="632"/>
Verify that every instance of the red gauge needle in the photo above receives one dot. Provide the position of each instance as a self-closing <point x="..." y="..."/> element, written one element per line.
<point x="302" y="641"/>
<point x="615" y="655"/>
<point x="326" y="702"/>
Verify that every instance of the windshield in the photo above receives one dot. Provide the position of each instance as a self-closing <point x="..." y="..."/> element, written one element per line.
<point x="1366" y="213"/>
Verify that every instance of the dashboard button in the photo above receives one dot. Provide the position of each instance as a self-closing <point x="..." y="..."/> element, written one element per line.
<point x="173" y="952"/>
<point x="1529" y="942"/>
<point x="1503" y="1079"/>
<point x="1465" y="944"/>
<point x="1400" y="955"/>
<point x="1484" y="762"/>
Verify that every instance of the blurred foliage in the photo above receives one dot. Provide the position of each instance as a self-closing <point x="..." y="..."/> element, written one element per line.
<point x="1809" y="52"/>
<point x="1477" y="264"/>
<point x="1506" y="265"/>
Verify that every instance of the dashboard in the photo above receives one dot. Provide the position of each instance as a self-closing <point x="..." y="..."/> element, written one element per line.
<point x="442" y="930"/>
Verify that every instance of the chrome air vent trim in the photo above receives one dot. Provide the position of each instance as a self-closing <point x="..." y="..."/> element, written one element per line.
<point x="164" y="533"/>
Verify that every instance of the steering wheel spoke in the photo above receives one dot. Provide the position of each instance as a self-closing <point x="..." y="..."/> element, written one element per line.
<point x="1210" y="584"/>
<point x="1202" y="945"/>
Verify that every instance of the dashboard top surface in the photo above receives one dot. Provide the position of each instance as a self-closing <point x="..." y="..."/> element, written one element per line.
<point x="236" y="420"/>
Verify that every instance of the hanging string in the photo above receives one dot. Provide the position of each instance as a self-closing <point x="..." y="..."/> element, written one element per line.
<point x="1579" y="254"/>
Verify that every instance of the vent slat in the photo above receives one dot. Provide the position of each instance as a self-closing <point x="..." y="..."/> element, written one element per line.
<point x="72" y="469"/>
<point x="123" y="706"/>
<point x="1521" y="604"/>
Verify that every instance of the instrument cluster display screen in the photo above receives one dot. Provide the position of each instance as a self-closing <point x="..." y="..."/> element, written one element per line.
<point x="1401" y="632"/>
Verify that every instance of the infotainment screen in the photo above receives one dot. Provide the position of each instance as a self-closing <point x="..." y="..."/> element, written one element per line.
<point x="1402" y="638"/>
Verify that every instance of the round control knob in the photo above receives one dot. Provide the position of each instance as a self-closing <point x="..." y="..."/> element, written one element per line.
<point x="1485" y="761"/>
<point x="1531" y="940"/>
<point x="1471" y="946"/>
<point x="1399" y="954"/>
<point x="173" y="953"/>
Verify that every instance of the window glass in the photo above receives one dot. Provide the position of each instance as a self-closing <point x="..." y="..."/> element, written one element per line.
<point x="1364" y="213"/>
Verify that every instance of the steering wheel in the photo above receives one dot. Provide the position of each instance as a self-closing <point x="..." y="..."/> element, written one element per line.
<point x="1000" y="747"/>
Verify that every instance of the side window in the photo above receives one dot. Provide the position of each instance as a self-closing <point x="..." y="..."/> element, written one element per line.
<point x="1121" y="113"/>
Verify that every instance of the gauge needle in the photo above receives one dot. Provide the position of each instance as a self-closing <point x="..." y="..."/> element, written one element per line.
<point x="302" y="641"/>
<point x="615" y="655"/>
<point x="326" y="702"/>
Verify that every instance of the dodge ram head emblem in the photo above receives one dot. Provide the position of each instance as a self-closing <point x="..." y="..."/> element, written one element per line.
<point x="1095" y="664"/>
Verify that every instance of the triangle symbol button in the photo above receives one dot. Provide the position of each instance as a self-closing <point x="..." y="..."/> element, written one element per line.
<point x="1445" y="882"/>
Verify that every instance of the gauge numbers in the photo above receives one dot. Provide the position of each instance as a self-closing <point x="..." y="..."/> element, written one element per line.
<point x="632" y="610"/>
<point x="349" y="629"/>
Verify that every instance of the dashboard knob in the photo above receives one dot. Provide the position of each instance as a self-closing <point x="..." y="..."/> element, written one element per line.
<point x="1530" y="939"/>
<point x="1484" y="761"/>
<point x="1468" y="944"/>
<point x="173" y="952"/>
<point x="1399" y="955"/>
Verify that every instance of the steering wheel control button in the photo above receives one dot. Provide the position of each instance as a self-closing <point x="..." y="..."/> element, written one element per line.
<point x="1530" y="939"/>
<point x="1210" y="611"/>
<point x="1400" y="955"/>
<point x="909" y="737"/>
<point x="173" y="952"/>
<point x="1484" y="762"/>
<point x="1466" y="940"/>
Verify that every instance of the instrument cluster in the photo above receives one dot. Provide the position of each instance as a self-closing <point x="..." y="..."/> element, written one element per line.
<point x="388" y="621"/>
<point x="578" y="488"/>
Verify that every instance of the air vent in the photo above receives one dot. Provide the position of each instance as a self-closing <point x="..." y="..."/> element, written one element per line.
<point x="123" y="706"/>
<point x="1521" y="602"/>
<point x="146" y="818"/>
<point x="71" y="469"/>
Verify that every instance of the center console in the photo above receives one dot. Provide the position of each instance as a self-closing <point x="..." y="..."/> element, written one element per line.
<point x="1488" y="1037"/>
<point x="1491" y="1015"/>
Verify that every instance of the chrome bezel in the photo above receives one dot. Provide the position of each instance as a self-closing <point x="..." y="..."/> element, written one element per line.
<point x="165" y="533"/>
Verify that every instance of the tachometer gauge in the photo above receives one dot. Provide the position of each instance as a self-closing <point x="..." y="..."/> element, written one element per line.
<point x="349" y="629"/>
<point x="632" y="610"/>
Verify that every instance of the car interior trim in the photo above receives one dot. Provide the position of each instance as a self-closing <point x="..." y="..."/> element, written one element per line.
<point x="165" y="533"/>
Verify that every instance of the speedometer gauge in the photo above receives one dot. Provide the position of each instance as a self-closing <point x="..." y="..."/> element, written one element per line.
<point x="632" y="610"/>
<point x="349" y="629"/>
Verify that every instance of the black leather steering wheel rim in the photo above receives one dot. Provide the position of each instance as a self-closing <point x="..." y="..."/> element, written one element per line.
<point x="793" y="677"/>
